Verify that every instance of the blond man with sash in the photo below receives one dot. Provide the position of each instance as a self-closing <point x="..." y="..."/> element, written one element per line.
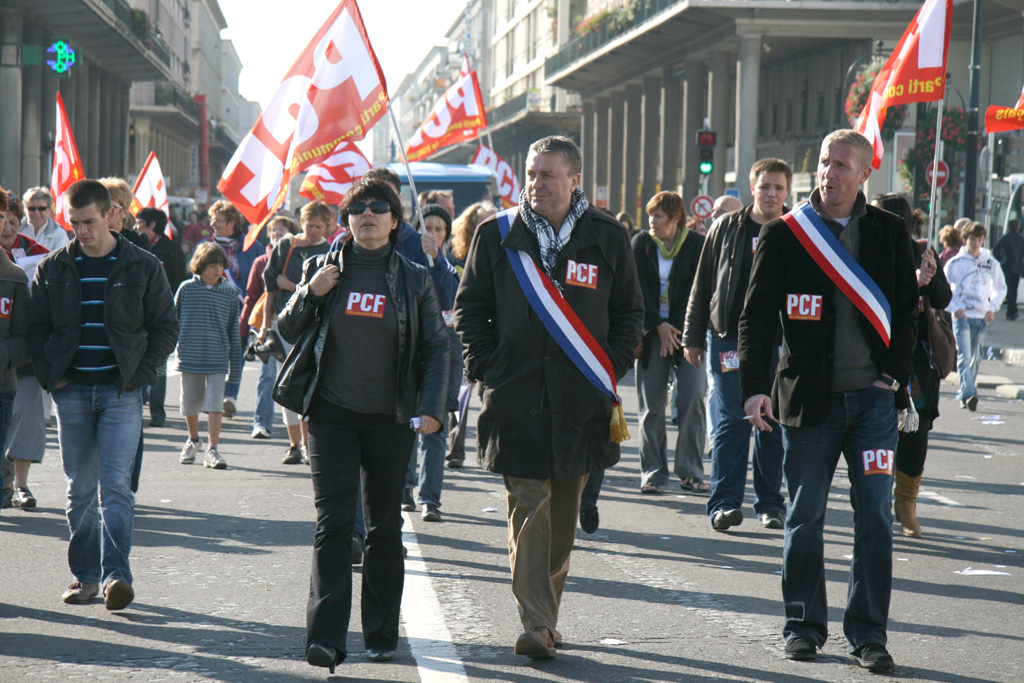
<point x="549" y="311"/>
<point x="840" y="275"/>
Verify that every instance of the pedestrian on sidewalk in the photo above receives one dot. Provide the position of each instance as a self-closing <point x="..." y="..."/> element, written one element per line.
<point x="848" y="343"/>
<point x="1009" y="251"/>
<point x="369" y="370"/>
<point x="545" y="425"/>
<point x="209" y="353"/>
<point x="102" y="322"/>
<point x="976" y="280"/>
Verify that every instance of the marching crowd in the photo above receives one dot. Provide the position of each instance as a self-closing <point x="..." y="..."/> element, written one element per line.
<point x="824" y="328"/>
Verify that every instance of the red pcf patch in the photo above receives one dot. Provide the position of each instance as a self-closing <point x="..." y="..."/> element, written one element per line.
<point x="366" y="305"/>
<point x="6" y="304"/>
<point x="877" y="461"/>
<point x="803" y="306"/>
<point x="581" y="274"/>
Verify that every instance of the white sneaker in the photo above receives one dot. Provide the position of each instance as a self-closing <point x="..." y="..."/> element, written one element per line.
<point x="213" y="460"/>
<point x="260" y="432"/>
<point x="229" y="407"/>
<point x="189" y="451"/>
<point x="305" y="454"/>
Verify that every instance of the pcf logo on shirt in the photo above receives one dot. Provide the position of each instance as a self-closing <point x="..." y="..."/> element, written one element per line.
<point x="366" y="305"/>
<point x="803" y="306"/>
<point x="581" y="274"/>
<point x="6" y="304"/>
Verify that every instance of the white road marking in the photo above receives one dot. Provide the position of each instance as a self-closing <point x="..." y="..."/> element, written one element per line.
<point x="941" y="500"/>
<point x="425" y="628"/>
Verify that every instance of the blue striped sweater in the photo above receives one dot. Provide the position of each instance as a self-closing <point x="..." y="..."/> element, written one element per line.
<point x="209" y="341"/>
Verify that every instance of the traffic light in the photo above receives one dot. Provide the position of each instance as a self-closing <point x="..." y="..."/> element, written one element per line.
<point x="706" y="150"/>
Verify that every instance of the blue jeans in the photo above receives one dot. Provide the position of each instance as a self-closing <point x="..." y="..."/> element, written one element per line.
<point x="99" y="431"/>
<point x="970" y="335"/>
<point x="862" y="426"/>
<point x="431" y="467"/>
<point x="263" y="415"/>
<point x="730" y="444"/>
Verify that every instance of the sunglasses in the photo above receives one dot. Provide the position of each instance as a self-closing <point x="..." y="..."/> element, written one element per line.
<point x="35" y="208"/>
<point x="359" y="208"/>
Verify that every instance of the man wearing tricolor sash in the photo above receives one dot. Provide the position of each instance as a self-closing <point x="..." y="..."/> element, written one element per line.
<point x="549" y="311"/>
<point x="840" y="275"/>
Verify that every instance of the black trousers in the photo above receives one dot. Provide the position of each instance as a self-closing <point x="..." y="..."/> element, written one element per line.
<point x="1012" y="281"/>
<point x="342" y="444"/>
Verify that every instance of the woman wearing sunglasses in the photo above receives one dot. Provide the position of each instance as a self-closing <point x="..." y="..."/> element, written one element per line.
<point x="370" y="366"/>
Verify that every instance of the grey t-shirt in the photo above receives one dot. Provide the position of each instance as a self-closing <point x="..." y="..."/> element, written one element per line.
<point x="360" y="357"/>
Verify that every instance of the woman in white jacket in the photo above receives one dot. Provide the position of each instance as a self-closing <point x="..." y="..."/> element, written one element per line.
<point x="978" y="289"/>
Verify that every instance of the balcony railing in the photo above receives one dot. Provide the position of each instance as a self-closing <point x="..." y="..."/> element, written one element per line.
<point x="162" y="94"/>
<point x="508" y="109"/>
<point x="123" y="12"/>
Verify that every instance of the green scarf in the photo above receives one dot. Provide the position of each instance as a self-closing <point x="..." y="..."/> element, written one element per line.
<point x="670" y="253"/>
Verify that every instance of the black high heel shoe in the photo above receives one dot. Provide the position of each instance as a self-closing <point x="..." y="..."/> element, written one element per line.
<point x="321" y="655"/>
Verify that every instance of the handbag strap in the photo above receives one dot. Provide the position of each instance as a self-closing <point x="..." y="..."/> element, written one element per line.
<point x="291" y="247"/>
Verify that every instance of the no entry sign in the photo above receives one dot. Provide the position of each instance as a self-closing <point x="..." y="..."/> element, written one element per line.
<point x="937" y="178"/>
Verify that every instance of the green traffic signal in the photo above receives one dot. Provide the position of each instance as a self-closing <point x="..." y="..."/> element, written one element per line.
<point x="706" y="167"/>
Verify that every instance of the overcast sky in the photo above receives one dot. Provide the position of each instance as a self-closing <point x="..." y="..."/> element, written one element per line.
<point x="268" y="38"/>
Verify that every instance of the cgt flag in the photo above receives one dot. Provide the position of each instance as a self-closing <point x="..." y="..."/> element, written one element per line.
<point x="508" y="184"/>
<point x="150" y="190"/>
<point x="67" y="165"/>
<point x="329" y="180"/>
<point x="457" y="117"/>
<point x="334" y="93"/>
<point x="1001" y="119"/>
<point x="915" y="72"/>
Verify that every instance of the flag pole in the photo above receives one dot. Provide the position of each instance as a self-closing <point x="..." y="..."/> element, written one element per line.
<point x="408" y="170"/>
<point x="935" y="192"/>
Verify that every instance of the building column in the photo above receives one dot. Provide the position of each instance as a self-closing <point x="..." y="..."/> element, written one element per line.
<point x="31" y="129"/>
<point x="616" y="150"/>
<point x="107" y="124"/>
<point x="91" y="158"/>
<point x="671" y="121"/>
<point x="652" y="139"/>
<point x="601" y="153"/>
<point x="48" y="116"/>
<point x="719" y="111"/>
<point x="78" y="111"/>
<point x="748" y="78"/>
<point x="11" y="88"/>
<point x="587" y="135"/>
<point x="634" y="132"/>
<point x="123" y="154"/>
<point x="696" y="79"/>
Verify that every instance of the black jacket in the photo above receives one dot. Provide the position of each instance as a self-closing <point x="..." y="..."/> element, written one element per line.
<point x="423" y="359"/>
<point x="681" y="275"/>
<point x="15" y="303"/>
<point x="139" y="315"/>
<point x="1009" y="251"/>
<point x="171" y="258"/>
<point x="541" y="417"/>
<point x="781" y="267"/>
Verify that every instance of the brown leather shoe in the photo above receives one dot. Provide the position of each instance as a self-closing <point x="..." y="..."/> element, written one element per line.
<point x="536" y="643"/>
<point x="79" y="593"/>
<point x="118" y="594"/>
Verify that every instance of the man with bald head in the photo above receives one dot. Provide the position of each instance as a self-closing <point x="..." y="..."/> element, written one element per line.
<point x="725" y="204"/>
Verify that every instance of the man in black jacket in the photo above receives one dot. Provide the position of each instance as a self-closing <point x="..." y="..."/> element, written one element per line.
<point x="543" y="425"/>
<point x="716" y="301"/>
<point x="102" y="322"/>
<point x="839" y="382"/>
<point x="1009" y="251"/>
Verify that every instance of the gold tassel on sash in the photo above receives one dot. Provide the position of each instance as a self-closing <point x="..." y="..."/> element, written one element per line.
<point x="617" y="429"/>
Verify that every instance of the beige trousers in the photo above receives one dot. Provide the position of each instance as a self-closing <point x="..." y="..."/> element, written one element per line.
<point x="541" y="530"/>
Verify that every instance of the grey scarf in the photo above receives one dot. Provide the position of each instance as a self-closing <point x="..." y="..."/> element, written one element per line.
<point x="551" y="240"/>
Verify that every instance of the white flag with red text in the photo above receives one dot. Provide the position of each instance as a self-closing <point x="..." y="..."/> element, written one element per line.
<point x="334" y="93"/>
<point x="457" y="117"/>
<point x="329" y="180"/>
<point x="508" y="183"/>
<point x="150" y="189"/>
<point x="67" y="165"/>
<point x="915" y="72"/>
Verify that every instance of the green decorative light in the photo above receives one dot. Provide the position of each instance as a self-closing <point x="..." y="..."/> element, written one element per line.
<point x="64" y="57"/>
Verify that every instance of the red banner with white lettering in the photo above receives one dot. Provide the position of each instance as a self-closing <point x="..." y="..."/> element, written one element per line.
<point x="457" y="117"/>
<point x="1001" y="119"/>
<point x="329" y="180"/>
<point x="334" y="93"/>
<point x="67" y="164"/>
<point x="508" y="183"/>
<point x="150" y="190"/>
<point x="915" y="72"/>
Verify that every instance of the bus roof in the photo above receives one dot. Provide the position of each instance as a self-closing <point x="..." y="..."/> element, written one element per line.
<point x="428" y="171"/>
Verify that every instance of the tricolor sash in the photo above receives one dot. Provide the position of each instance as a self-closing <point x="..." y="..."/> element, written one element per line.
<point x="562" y="322"/>
<point x="848" y="275"/>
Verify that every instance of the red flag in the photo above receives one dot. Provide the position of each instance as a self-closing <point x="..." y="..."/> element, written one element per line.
<point x="329" y="180"/>
<point x="334" y="93"/>
<point x="915" y="72"/>
<point x="1000" y="119"/>
<point x="457" y="117"/>
<point x="508" y="183"/>
<point x="150" y="191"/>
<point x="67" y="165"/>
<point x="464" y="71"/>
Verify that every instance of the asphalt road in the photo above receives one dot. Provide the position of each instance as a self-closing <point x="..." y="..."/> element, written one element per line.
<point x="221" y="563"/>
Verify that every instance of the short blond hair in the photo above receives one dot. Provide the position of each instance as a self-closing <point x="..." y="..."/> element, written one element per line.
<point x="848" y="136"/>
<point x="121" y="195"/>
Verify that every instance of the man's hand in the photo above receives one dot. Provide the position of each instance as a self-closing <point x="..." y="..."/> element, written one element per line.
<point x="990" y="316"/>
<point x="959" y="314"/>
<point x="324" y="280"/>
<point x="429" y="245"/>
<point x="428" y="425"/>
<point x="758" y="407"/>
<point x="694" y="355"/>
<point x="671" y="339"/>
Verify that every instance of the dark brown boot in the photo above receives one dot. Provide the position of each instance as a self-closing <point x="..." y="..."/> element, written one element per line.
<point x="905" y="503"/>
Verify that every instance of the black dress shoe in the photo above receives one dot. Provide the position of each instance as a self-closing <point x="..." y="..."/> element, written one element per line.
<point x="874" y="657"/>
<point x="801" y="649"/>
<point x="321" y="655"/>
<point x="589" y="520"/>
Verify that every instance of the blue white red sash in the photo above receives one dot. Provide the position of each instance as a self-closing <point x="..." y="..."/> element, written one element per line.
<point x="558" y="317"/>
<point x="848" y="275"/>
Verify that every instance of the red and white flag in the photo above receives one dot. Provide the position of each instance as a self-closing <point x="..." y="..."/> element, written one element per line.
<point x="1000" y="119"/>
<point x="508" y="183"/>
<point x="464" y="71"/>
<point x="334" y="93"/>
<point x="329" y="180"/>
<point x="67" y="165"/>
<point x="457" y="117"/>
<point x="915" y="72"/>
<point x="150" y="191"/>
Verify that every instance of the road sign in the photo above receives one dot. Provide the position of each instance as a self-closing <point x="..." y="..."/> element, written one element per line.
<point x="939" y="178"/>
<point x="701" y="206"/>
